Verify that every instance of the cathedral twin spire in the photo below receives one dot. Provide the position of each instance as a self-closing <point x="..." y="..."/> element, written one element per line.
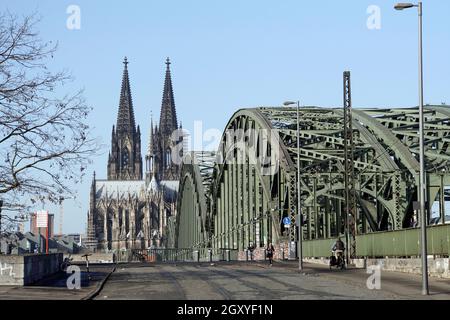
<point x="159" y="156"/>
<point x="125" y="116"/>
<point x="125" y="160"/>
<point x="168" y="119"/>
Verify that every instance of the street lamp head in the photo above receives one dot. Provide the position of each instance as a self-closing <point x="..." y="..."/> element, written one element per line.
<point x="403" y="6"/>
<point x="288" y="103"/>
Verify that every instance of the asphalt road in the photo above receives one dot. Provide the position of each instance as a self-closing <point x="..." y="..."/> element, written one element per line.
<point x="228" y="281"/>
<point x="255" y="281"/>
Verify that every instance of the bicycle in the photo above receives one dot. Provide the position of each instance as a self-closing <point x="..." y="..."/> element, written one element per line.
<point x="66" y="263"/>
<point x="337" y="259"/>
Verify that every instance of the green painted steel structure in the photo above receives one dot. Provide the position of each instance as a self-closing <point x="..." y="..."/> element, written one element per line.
<point x="192" y="226"/>
<point x="400" y="243"/>
<point x="239" y="195"/>
<point x="404" y="243"/>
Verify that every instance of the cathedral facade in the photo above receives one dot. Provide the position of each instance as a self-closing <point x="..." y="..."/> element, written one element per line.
<point x="131" y="209"/>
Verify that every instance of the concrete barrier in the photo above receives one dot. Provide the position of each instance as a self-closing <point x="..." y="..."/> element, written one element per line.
<point x="93" y="258"/>
<point x="22" y="270"/>
<point x="437" y="267"/>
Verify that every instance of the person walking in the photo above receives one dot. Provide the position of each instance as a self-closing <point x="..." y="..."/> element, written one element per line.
<point x="270" y="251"/>
<point x="338" y="252"/>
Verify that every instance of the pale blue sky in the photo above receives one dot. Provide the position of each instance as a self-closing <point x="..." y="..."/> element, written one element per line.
<point x="233" y="54"/>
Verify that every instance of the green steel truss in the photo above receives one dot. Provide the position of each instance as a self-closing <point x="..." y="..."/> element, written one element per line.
<point x="193" y="225"/>
<point x="240" y="195"/>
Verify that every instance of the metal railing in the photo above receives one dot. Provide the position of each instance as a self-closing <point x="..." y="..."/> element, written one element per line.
<point x="177" y="255"/>
<point x="400" y="243"/>
<point x="404" y="243"/>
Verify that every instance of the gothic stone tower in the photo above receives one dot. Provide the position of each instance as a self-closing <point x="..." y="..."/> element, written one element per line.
<point x="125" y="211"/>
<point x="125" y="160"/>
<point x="166" y="140"/>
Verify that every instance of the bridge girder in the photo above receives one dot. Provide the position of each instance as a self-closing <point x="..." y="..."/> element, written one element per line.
<point x="192" y="227"/>
<point x="252" y="185"/>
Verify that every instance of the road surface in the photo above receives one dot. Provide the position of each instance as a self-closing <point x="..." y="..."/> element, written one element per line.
<point x="255" y="281"/>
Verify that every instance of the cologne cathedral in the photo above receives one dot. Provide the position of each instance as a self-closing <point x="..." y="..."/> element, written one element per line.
<point x="132" y="209"/>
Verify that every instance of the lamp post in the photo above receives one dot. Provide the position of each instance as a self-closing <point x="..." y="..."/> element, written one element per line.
<point x="300" y="229"/>
<point x="422" y="178"/>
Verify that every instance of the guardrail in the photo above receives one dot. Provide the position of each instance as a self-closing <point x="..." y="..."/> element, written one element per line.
<point x="400" y="243"/>
<point x="404" y="243"/>
<point x="317" y="248"/>
<point x="177" y="255"/>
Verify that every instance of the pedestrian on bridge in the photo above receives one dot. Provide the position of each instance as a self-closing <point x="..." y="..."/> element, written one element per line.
<point x="270" y="251"/>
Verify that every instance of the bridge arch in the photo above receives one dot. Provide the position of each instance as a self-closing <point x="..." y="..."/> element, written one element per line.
<point x="252" y="181"/>
<point x="192" y="224"/>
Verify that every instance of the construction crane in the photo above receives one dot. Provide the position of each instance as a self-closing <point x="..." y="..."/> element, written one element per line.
<point x="61" y="212"/>
<point x="61" y="215"/>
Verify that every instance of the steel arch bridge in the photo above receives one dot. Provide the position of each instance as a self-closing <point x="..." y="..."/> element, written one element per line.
<point x="238" y="196"/>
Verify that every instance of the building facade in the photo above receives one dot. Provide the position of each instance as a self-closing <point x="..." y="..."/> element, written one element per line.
<point x="42" y="231"/>
<point x="131" y="209"/>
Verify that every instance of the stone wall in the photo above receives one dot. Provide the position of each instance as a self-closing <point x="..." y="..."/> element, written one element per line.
<point x="24" y="270"/>
<point x="439" y="267"/>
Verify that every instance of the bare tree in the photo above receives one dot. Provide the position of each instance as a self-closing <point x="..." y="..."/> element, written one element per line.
<point x="44" y="139"/>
